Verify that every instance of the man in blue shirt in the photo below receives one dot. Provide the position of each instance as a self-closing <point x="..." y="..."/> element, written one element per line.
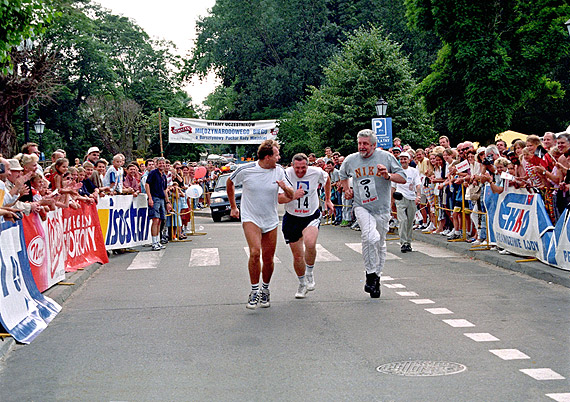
<point x="155" y="187"/>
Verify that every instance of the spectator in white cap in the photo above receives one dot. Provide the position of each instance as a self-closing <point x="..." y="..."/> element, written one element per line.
<point x="93" y="155"/>
<point x="406" y="197"/>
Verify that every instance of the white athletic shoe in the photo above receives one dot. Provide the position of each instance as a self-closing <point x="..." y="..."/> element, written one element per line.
<point x="301" y="292"/>
<point x="310" y="282"/>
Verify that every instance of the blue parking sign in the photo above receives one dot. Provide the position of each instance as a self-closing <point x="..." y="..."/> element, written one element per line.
<point x="382" y="127"/>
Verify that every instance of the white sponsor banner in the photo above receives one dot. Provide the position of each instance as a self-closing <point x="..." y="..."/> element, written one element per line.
<point x="183" y="130"/>
<point x="24" y="311"/>
<point x="124" y="221"/>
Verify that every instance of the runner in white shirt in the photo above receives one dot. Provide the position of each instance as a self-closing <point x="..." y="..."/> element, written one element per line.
<point x="303" y="217"/>
<point x="406" y="203"/>
<point x="264" y="185"/>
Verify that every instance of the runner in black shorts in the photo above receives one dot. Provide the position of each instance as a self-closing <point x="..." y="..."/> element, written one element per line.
<point x="302" y="218"/>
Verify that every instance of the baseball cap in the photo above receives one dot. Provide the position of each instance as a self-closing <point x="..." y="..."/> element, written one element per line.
<point x="405" y="154"/>
<point x="14" y="164"/>
<point x="93" y="149"/>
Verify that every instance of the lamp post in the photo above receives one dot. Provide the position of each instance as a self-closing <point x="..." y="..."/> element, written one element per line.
<point x="381" y="107"/>
<point x="39" y="126"/>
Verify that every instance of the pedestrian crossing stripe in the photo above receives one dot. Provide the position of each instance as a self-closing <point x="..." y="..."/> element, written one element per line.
<point x="323" y="255"/>
<point x="146" y="260"/>
<point x="201" y="257"/>
<point x="358" y="248"/>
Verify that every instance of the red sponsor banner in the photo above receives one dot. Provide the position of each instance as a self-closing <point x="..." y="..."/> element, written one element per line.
<point x="82" y="237"/>
<point x="36" y="245"/>
<point x="66" y="240"/>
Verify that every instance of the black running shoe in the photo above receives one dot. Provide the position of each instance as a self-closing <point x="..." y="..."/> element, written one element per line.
<point x="370" y="282"/>
<point x="375" y="292"/>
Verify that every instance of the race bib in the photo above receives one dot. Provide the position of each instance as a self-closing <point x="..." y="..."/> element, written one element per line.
<point x="367" y="190"/>
<point x="302" y="206"/>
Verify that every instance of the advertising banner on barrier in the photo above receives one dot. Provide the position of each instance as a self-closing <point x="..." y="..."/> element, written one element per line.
<point x="519" y="223"/>
<point x="124" y="221"/>
<point x="183" y="130"/>
<point x="46" y="257"/>
<point x="24" y="311"/>
<point x="83" y="237"/>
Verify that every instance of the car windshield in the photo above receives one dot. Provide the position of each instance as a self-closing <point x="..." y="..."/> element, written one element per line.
<point x="221" y="183"/>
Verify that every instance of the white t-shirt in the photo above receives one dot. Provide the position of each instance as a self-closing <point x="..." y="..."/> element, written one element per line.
<point x="309" y="203"/>
<point x="114" y="175"/>
<point x="408" y="190"/>
<point x="259" y="194"/>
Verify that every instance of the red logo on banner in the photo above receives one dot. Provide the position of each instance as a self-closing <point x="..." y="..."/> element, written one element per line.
<point x="36" y="251"/>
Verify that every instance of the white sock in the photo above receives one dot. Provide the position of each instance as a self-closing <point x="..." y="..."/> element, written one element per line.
<point x="309" y="269"/>
<point x="302" y="280"/>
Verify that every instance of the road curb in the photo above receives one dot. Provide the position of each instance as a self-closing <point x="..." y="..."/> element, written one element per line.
<point x="535" y="269"/>
<point x="58" y="293"/>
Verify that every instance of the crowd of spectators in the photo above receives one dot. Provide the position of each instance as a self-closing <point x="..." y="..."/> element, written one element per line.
<point x="27" y="187"/>
<point x="452" y="181"/>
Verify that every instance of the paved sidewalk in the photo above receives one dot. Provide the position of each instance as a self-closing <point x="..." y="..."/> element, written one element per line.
<point x="535" y="269"/>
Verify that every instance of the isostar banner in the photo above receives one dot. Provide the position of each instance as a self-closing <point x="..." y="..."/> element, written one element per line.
<point x="518" y="222"/>
<point x="24" y="311"/>
<point x="221" y="131"/>
<point x="124" y="221"/>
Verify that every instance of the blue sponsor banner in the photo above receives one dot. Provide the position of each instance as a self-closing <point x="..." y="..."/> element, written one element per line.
<point x="519" y="222"/>
<point x="382" y="127"/>
<point x="24" y="311"/>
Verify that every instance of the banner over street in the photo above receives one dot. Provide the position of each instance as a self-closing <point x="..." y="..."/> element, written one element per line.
<point x="221" y="131"/>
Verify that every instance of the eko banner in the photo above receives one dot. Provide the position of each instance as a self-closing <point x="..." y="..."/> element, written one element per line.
<point x="518" y="222"/>
<point x="221" y="131"/>
<point x="124" y="221"/>
<point x="24" y="311"/>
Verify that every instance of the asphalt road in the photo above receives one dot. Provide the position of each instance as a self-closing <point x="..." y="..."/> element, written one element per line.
<point x="172" y="326"/>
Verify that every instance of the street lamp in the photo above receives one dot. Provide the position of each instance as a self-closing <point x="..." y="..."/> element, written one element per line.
<point x="39" y="126"/>
<point x="567" y="23"/>
<point x="381" y="107"/>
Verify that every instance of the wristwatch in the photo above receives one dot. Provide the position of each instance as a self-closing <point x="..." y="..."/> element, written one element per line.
<point x="389" y="176"/>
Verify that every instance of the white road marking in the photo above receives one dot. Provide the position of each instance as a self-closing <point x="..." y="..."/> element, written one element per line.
<point x="434" y="252"/>
<point x="358" y="248"/>
<point x="386" y="278"/>
<point x="394" y="286"/>
<point x="560" y="397"/>
<point x="482" y="337"/>
<point x="323" y="255"/>
<point x="459" y="323"/>
<point x="438" y="311"/>
<point x="422" y="301"/>
<point x="542" y="374"/>
<point x="407" y="294"/>
<point x="276" y="259"/>
<point x="509" y="354"/>
<point x="146" y="260"/>
<point x="204" y="257"/>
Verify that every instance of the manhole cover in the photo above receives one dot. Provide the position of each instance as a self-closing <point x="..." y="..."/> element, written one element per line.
<point x="421" y="368"/>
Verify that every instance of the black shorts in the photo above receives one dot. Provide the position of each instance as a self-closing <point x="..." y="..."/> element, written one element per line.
<point x="293" y="226"/>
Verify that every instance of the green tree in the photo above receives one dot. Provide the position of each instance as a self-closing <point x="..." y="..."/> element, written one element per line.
<point x="108" y="57"/>
<point x="497" y="58"/>
<point x="368" y="65"/>
<point x="21" y="20"/>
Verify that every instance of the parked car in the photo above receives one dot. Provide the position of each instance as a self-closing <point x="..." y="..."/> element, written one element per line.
<point x="219" y="204"/>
